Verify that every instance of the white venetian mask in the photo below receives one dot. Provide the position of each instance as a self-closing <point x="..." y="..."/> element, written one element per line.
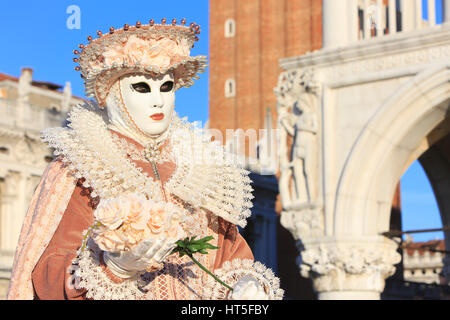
<point x="149" y="101"/>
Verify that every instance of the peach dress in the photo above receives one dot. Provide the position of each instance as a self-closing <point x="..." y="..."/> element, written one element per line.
<point x="62" y="209"/>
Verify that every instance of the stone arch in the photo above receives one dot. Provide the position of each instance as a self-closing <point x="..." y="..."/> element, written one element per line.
<point x="383" y="149"/>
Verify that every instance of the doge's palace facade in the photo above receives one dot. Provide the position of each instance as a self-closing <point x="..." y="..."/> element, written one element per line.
<point x="353" y="116"/>
<point x="26" y="107"/>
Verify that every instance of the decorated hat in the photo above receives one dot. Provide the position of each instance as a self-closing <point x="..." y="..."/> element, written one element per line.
<point x="153" y="49"/>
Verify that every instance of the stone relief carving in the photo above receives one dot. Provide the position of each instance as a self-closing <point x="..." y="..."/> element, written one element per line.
<point x="297" y="94"/>
<point x="30" y="152"/>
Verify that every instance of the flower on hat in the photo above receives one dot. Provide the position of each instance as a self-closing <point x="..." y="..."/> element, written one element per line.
<point x="148" y="52"/>
<point x="152" y="48"/>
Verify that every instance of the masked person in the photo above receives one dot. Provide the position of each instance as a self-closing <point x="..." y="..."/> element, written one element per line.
<point x="131" y="144"/>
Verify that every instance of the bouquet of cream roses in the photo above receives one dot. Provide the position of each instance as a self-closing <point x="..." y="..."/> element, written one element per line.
<point x="122" y="223"/>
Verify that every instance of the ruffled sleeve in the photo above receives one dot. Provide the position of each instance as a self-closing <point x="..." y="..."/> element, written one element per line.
<point x="52" y="276"/>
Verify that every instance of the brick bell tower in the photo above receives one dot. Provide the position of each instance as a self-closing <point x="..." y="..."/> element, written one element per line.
<point x="247" y="39"/>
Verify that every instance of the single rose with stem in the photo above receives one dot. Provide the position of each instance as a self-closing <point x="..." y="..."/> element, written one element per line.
<point x="189" y="246"/>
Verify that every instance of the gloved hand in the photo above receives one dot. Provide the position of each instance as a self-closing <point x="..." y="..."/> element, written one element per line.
<point x="248" y="288"/>
<point x="147" y="255"/>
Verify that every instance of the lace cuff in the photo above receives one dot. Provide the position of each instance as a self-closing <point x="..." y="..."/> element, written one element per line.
<point x="232" y="271"/>
<point x="91" y="275"/>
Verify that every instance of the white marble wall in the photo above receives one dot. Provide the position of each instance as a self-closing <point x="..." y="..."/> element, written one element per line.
<point x="377" y="101"/>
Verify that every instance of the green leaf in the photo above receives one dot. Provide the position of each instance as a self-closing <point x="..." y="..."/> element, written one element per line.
<point x="195" y="247"/>
<point x="180" y="244"/>
<point x="190" y="246"/>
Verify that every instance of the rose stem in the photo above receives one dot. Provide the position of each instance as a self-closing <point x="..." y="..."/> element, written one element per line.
<point x="209" y="272"/>
<point x="88" y="233"/>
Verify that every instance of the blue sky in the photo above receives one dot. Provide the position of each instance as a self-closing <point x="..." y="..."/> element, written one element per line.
<point x="438" y="4"/>
<point x="419" y="207"/>
<point x="35" y="35"/>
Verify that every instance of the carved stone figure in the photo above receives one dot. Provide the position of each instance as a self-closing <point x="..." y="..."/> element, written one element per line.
<point x="297" y="116"/>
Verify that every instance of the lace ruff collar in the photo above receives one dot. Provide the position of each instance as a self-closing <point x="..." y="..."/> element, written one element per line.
<point x="204" y="177"/>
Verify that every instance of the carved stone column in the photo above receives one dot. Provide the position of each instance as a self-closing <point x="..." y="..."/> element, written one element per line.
<point x="24" y="89"/>
<point x="67" y="96"/>
<point x="408" y="15"/>
<point x="340" y="22"/>
<point x="348" y="268"/>
<point x="446" y="10"/>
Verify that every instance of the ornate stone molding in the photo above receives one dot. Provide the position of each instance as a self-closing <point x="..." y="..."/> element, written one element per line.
<point x="307" y="223"/>
<point x="29" y="152"/>
<point x="349" y="265"/>
<point x="387" y="62"/>
<point x="295" y="82"/>
<point x="391" y="52"/>
<point x="24" y="149"/>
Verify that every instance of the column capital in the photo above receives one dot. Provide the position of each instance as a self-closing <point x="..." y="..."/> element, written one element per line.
<point x="349" y="265"/>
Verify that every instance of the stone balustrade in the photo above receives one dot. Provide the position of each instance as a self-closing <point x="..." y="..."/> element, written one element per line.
<point x="364" y="19"/>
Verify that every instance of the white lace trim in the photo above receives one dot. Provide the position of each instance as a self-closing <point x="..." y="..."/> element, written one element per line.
<point x="232" y="271"/>
<point x="139" y="155"/>
<point x="205" y="175"/>
<point x="90" y="275"/>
